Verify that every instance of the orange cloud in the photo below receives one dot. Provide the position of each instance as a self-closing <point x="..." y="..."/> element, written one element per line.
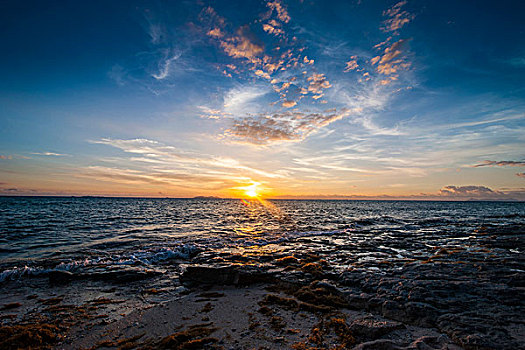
<point x="240" y="46"/>
<point x="216" y="32"/>
<point x="282" y="14"/>
<point x="318" y="82"/>
<point x="272" y="30"/>
<point x="397" y="17"/>
<point x="289" y="103"/>
<point x="391" y="61"/>
<point x="352" y="64"/>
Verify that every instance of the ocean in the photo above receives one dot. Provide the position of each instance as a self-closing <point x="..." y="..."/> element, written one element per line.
<point x="41" y="234"/>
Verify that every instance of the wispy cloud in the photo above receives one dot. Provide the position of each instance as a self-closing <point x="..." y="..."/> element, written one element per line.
<point x="243" y="99"/>
<point x="500" y="163"/>
<point x="171" y="159"/>
<point x="50" y="154"/>
<point x="165" y="65"/>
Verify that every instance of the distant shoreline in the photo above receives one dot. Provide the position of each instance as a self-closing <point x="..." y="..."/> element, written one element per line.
<point x="276" y="199"/>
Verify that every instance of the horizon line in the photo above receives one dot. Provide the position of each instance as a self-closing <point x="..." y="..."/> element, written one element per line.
<point x="399" y="199"/>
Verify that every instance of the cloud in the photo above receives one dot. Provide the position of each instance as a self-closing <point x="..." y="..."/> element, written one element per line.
<point x="351" y="65"/>
<point x="448" y="193"/>
<point x="281" y="64"/>
<point x="243" y="99"/>
<point x="242" y="45"/>
<point x="215" y="32"/>
<point x="18" y="191"/>
<point x="391" y="61"/>
<point x="50" y="154"/>
<point x="472" y="192"/>
<point x="500" y="163"/>
<point x="307" y="61"/>
<point x="170" y="160"/>
<point x="211" y="113"/>
<point x="397" y="18"/>
<point x="282" y="14"/>
<point x="517" y="61"/>
<point x="289" y="104"/>
<point x="288" y="126"/>
<point x="318" y="82"/>
<point x="262" y="74"/>
<point x="272" y="30"/>
<point x="164" y="66"/>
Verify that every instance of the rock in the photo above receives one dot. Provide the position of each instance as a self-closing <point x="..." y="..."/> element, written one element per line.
<point x="393" y="310"/>
<point x="60" y="277"/>
<point x="380" y="344"/>
<point x="357" y="301"/>
<point x="414" y="313"/>
<point x="420" y="314"/>
<point x="325" y="284"/>
<point x="123" y="276"/>
<point x="370" y="328"/>
<point x="478" y="332"/>
<point x="222" y="275"/>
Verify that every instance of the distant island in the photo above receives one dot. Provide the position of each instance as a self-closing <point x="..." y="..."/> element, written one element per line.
<point x="207" y="197"/>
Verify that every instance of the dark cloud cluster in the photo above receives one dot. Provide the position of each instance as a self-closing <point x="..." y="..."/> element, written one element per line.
<point x="463" y="191"/>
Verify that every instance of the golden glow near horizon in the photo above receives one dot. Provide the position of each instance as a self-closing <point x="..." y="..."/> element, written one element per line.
<point x="251" y="191"/>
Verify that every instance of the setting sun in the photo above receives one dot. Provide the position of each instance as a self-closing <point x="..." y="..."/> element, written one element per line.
<point x="251" y="191"/>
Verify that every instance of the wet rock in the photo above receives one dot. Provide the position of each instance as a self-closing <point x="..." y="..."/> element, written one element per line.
<point x="351" y="278"/>
<point x="357" y="301"/>
<point x="478" y="332"/>
<point x="327" y="285"/>
<point x="420" y="314"/>
<point x="123" y="276"/>
<point x="414" y="313"/>
<point x="224" y="275"/>
<point x="432" y="343"/>
<point x="10" y="306"/>
<point x="393" y="310"/>
<point x="380" y="344"/>
<point x="370" y="328"/>
<point x="221" y="275"/>
<point x="60" y="277"/>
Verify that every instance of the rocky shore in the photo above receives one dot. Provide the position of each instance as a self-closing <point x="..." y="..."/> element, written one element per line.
<point x="469" y="295"/>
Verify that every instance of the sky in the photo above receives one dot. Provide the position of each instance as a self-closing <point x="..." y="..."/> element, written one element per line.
<point x="354" y="99"/>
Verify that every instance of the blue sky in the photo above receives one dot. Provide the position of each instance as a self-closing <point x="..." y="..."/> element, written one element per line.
<point x="324" y="99"/>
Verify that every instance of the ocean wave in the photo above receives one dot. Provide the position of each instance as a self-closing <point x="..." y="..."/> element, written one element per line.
<point x="145" y="258"/>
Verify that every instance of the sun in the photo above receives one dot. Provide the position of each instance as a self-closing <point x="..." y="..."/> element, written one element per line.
<point x="251" y="191"/>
